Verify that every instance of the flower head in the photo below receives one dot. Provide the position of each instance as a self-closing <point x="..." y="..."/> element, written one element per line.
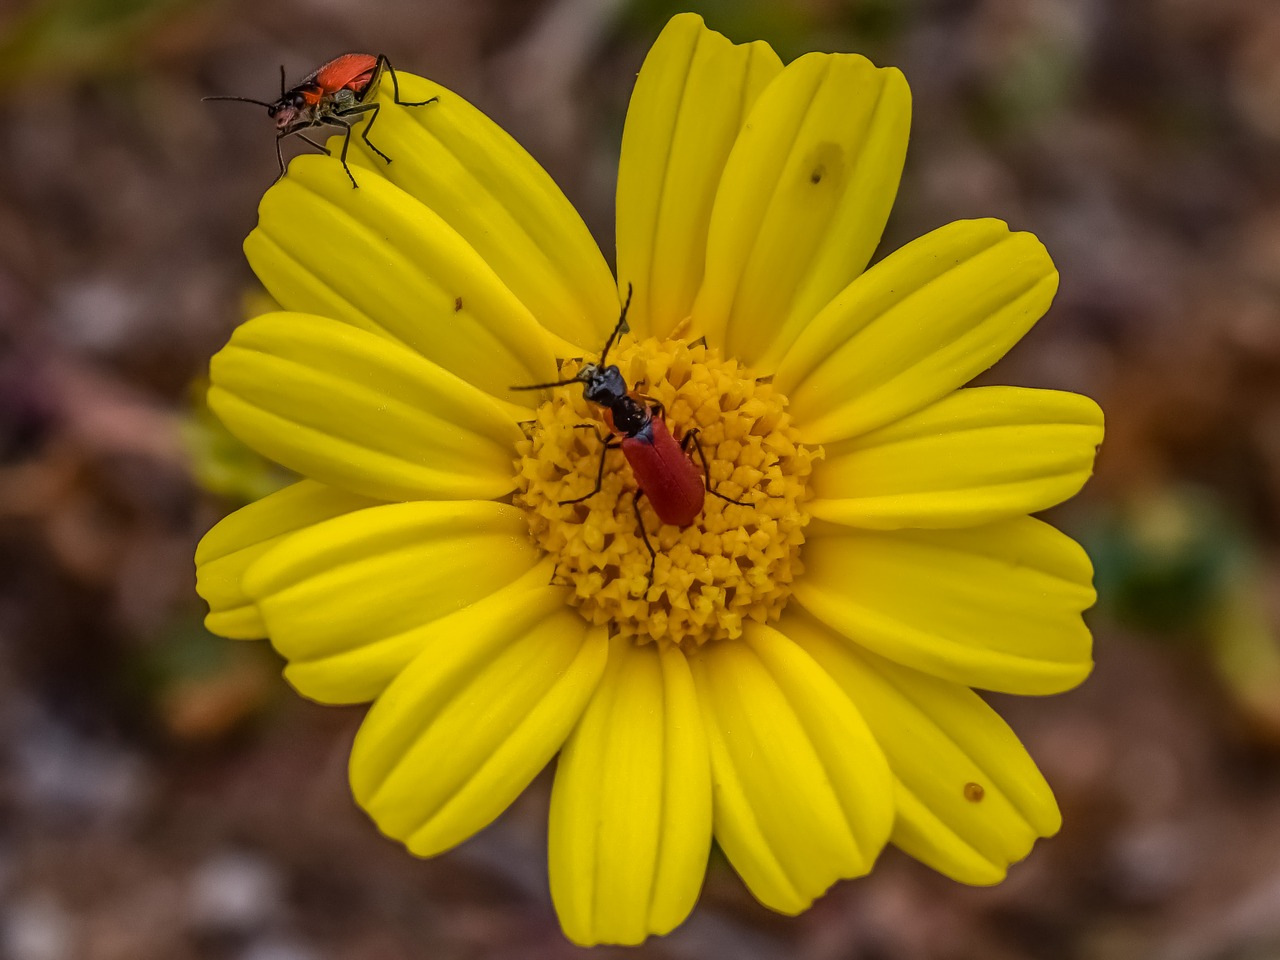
<point x="791" y="672"/>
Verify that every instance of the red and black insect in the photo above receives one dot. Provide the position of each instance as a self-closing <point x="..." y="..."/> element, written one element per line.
<point x="338" y="95"/>
<point x="662" y="467"/>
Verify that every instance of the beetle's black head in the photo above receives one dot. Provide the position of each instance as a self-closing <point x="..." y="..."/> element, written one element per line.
<point x="602" y="385"/>
<point x="288" y="108"/>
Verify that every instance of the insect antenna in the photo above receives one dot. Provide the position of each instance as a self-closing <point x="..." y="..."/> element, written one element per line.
<point x="579" y="378"/>
<point x="283" y="89"/>
<point x="542" y="386"/>
<point x="622" y="325"/>
<point x="261" y="103"/>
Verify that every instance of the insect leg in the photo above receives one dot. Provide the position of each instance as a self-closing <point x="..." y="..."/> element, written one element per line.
<point x="692" y="438"/>
<point x="385" y="64"/>
<point x="610" y="444"/>
<point x="653" y="555"/>
<point x="346" y="143"/>
<point x="295" y="129"/>
<point x="371" y="109"/>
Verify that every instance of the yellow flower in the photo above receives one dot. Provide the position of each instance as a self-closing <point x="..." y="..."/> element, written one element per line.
<point x="796" y="680"/>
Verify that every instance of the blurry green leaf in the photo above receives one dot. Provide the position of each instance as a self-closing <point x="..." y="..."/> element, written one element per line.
<point x="223" y="465"/>
<point x="1163" y="562"/>
<point x="1029" y="87"/>
<point x="1038" y="82"/>
<point x="1246" y="652"/>
<point x="201" y="688"/>
<point x="78" y="36"/>
<point x="1177" y="565"/>
<point x="878" y="20"/>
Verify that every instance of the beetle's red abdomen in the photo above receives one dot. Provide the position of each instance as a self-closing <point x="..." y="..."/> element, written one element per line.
<point x="668" y="478"/>
<point x="351" y="70"/>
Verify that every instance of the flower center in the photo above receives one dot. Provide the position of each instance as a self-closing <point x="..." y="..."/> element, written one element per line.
<point x="735" y="561"/>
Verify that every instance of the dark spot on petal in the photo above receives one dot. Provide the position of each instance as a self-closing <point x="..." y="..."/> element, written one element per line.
<point x="457" y="304"/>
<point x="826" y="165"/>
<point x="973" y="792"/>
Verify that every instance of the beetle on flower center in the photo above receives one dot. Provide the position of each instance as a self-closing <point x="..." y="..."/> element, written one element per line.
<point x="663" y="469"/>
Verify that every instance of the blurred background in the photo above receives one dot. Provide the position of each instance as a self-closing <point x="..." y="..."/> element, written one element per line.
<point x="163" y="794"/>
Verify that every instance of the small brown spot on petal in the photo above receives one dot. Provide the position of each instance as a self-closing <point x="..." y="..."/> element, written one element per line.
<point x="457" y="304"/>
<point x="827" y="165"/>
<point x="973" y="792"/>
<point x="735" y="562"/>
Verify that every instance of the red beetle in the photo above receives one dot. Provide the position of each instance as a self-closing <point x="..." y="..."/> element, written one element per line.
<point x="335" y="95"/>
<point x="662" y="467"/>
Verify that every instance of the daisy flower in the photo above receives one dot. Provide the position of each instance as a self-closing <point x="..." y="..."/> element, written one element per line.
<point x="796" y="680"/>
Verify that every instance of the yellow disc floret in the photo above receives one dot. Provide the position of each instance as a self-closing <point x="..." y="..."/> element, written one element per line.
<point x="734" y="562"/>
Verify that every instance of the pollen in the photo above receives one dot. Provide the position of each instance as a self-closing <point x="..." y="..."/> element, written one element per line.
<point x="735" y="562"/>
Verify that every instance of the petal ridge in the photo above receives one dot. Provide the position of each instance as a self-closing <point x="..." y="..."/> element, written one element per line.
<point x="630" y="825"/>
<point x="260" y="248"/>
<point x="1002" y="610"/>
<point x="482" y="183"/>
<point x="347" y="602"/>
<point x="686" y="111"/>
<point x="475" y="716"/>
<point x="354" y="410"/>
<point x="827" y="139"/>
<point x="396" y="261"/>
<point x="979" y="455"/>
<point x="942" y="738"/>
<point x="802" y="793"/>
<point x="227" y="550"/>
<point x="919" y="324"/>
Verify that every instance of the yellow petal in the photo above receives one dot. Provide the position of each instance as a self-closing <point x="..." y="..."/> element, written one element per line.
<point x="923" y="321"/>
<point x="690" y="100"/>
<point x="378" y="259"/>
<point x="803" y="795"/>
<point x="802" y="202"/>
<point x="469" y="723"/>
<point x="978" y="455"/>
<point x="970" y="799"/>
<point x="630" y="824"/>
<point x="485" y="186"/>
<point x="349" y="602"/>
<point x="238" y="540"/>
<point x="361" y="672"/>
<point x="996" y="607"/>
<point x="360" y="412"/>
